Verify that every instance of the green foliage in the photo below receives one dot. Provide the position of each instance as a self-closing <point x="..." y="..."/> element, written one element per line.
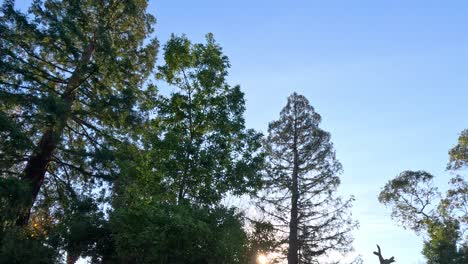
<point x="410" y="195"/>
<point x="456" y="200"/>
<point x="417" y="205"/>
<point x="263" y="237"/>
<point x="23" y="246"/>
<point x="14" y="240"/>
<point x="11" y="197"/>
<point x="71" y="85"/>
<point x="193" y="153"/>
<point x="441" y="247"/>
<point x="262" y="240"/>
<point x="459" y="153"/>
<point x="43" y="48"/>
<point x="199" y="143"/>
<point x="81" y="230"/>
<point x="165" y="233"/>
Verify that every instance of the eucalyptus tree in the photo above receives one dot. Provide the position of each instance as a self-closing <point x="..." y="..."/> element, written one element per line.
<point x="418" y="205"/>
<point x="301" y="182"/>
<point x="459" y="153"/>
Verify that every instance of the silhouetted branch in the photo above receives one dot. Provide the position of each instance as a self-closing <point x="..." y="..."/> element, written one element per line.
<point x="381" y="259"/>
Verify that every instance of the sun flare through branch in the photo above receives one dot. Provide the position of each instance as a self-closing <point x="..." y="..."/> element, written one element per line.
<point x="262" y="259"/>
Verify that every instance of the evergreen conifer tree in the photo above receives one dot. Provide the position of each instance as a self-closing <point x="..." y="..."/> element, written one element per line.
<point x="302" y="178"/>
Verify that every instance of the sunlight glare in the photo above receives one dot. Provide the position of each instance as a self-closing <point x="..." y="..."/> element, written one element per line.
<point x="262" y="259"/>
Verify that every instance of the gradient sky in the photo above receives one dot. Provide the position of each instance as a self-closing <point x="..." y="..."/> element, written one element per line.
<point x="389" y="79"/>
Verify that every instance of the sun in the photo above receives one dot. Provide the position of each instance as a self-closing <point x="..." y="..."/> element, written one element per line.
<point x="262" y="259"/>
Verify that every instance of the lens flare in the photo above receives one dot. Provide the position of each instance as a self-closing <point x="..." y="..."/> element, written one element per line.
<point x="262" y="259"/>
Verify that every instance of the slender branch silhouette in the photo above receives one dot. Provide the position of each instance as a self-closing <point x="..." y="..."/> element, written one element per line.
<point x="381" y="258"/>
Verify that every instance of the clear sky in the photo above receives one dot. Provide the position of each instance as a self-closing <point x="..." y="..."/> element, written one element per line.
<point x="390" y="79"/>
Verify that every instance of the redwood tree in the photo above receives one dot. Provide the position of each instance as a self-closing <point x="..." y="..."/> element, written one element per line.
<point x="302" y="178"/>
<point x="71" y="74"/>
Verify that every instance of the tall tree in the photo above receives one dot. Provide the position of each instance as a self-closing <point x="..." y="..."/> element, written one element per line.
<point x="417" y="204"/>
<point x="71" y="74"/>
<point x="301" y="182"/>
<point x="196" y="151"/>
<point x="200" y="144"/>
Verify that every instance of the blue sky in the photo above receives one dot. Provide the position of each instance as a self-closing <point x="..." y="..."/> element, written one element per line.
<point x="389" y="79"/>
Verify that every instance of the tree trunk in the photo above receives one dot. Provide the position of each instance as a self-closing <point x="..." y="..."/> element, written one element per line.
<point x="35" y="171"/>
<point x="293" y="223"/>
<point x="38" y="162"/>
